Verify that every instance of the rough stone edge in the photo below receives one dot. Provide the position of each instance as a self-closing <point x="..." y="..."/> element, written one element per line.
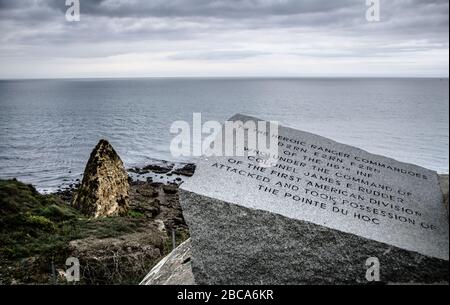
<point x="397" y="257"/>
<point x="173" y="269"/>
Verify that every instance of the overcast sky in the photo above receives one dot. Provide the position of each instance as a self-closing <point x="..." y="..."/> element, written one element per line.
<point x="133" y="38"/>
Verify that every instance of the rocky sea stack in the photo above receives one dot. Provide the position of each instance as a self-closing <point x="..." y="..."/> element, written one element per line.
<point x="104" y="190"/>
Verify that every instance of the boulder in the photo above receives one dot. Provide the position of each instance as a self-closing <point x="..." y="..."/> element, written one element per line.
<point x="104" y="190"/>
<point x="187" y="170"/>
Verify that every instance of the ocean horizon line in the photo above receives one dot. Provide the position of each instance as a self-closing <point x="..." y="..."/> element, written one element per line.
<point x="229" y="77"/>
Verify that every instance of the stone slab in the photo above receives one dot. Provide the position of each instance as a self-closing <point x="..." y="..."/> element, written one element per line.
<point x="315" y="216"/>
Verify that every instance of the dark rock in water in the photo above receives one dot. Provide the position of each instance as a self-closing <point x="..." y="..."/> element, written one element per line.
<point x="158" y="169"/>
<point x="187" y="170"/>
<point x="104" y="190"/>
<point x="65" y="194"/>
<point x="133" y="170"/>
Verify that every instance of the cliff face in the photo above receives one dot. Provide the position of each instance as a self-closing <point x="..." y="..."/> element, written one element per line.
<point x="104" y="190"/>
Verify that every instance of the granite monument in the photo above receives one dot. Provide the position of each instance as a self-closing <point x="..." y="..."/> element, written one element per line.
<point x="322" y="213"/>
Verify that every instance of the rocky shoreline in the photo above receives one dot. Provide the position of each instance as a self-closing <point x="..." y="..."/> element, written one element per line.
<point x="38" y="232"/>
<point x="114" y="250"/>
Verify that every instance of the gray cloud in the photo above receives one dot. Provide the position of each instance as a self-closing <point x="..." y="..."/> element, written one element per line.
<point x="217" y="55"/>
<point x="223" y="30"/>
<point x="401" y="17"/>
<point x="206" y="8"/>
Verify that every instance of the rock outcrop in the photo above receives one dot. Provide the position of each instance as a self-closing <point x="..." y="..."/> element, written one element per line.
<point x="174" y="269"/>
<point x="39" y="232"/>
<point x="104" y="190"/>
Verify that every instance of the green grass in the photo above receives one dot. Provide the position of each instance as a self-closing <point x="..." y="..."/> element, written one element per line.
<point x="36" y="225"/>
<point x="135" y="214"/>
<point x="29" y="219"/>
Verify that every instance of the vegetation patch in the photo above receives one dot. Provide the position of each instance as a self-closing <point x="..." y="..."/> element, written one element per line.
<point x="36" y="231"/>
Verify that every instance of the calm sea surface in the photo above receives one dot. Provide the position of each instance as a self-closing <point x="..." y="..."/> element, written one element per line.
<point x="49" y="127"/>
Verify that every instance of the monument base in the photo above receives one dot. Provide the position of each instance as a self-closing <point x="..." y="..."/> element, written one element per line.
<point x="232" y="244"/>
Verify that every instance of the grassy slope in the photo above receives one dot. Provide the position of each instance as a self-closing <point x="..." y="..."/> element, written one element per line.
<point x="38" y="228"/>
